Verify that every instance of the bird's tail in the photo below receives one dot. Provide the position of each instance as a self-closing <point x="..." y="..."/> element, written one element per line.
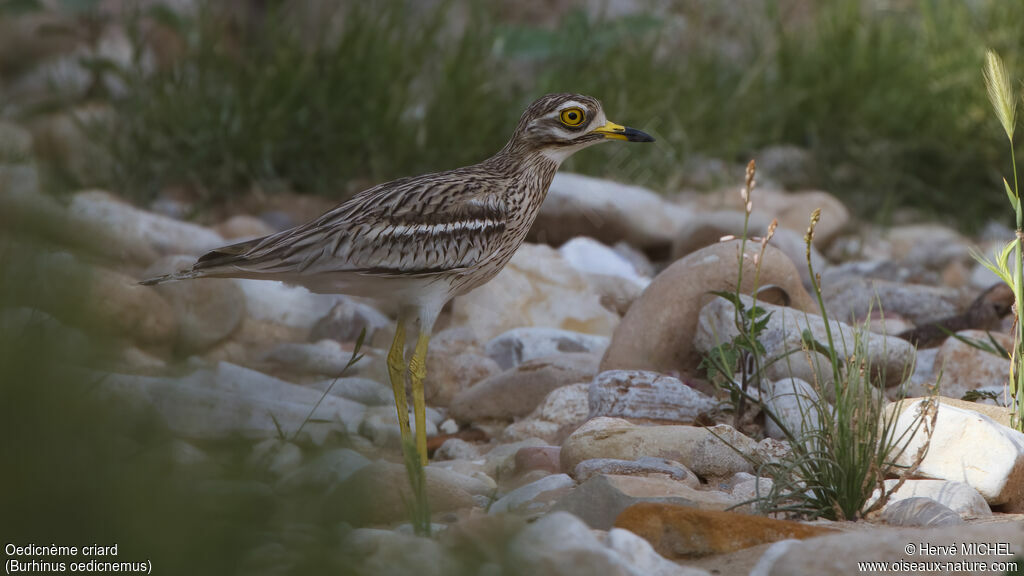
<point x="173" y="277"/>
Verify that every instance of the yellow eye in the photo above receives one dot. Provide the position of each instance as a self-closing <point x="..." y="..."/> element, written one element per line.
<point x="573" y="116"/>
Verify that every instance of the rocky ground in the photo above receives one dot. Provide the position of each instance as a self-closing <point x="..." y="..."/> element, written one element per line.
<point x="571" y="431"/>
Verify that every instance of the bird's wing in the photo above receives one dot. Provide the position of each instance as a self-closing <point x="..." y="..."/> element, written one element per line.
<point x="412" y="226"/>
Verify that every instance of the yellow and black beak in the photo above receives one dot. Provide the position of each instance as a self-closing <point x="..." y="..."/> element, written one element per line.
<point x="618" y="132"/>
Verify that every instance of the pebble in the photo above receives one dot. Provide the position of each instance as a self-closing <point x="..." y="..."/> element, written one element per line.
<point x="644" y="466"/>
<point x="518" y="391"/>
<point x="697" y="448"/>
<point x="603" y="497"/>
<point x="536" y="497"/>
<point x="646" y="395"/>
<point x="519" y="345"/>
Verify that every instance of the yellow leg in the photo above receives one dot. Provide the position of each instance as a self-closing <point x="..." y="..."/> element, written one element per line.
<point x="396" y="370"/>
<point x="417" y="372"/>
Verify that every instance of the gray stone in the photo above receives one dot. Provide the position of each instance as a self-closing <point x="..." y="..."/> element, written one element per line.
<point x="324" y="472"/>
<point x="326" y="357"/>
<point x="529" y="343"/>
<point x="457" y="449"/>
<point x="124" y="232"/>
<point x="535" y="497"/>
<point x="347" y="320"/>
<point x="362" y="390"/>
<point x="380" y="425"/>
<point x="783" y="335"/>
<point x="601" y="499"/>
<point x="232" y="402"/>
<point x="275" y="456"/>
<point x="643" y="466"/>
<point x="798" y="406"/>
<point x="648" y="395"/>
<point x="848" y="295"/>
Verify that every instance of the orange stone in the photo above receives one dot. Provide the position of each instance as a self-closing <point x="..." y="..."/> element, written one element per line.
<point x="681" y="531"/>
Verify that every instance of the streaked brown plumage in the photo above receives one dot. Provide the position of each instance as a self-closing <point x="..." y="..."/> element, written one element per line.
<point x="418" y="242"/>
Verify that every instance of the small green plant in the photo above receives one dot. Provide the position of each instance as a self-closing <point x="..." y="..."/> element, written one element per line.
<point x="745" y="350"/>
<point x="840" y="452"/>
<point x="1004" y="101"/>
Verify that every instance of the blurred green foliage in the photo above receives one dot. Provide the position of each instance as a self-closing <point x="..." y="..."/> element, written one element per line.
<point x="885" y="95"/>
<point x="82" y="466"/>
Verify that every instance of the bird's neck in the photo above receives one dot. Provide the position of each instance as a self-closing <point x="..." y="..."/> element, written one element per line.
<point x="518" y="157"/>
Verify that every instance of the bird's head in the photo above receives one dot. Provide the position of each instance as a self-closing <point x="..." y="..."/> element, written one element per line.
<point x="558" y="125"/>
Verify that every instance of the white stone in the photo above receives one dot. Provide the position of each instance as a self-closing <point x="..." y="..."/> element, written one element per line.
<point x="968" y="447"/>
<point x="536" y="288"/>
<point x="285" y="304"/>
<point x="919" y="511"/>
<point x="560" y="544"/>
<point x="641" y="557"/>
<point x="957" y="496"/>
<point x="566" y="405"/>
<point x="592" y="257"/>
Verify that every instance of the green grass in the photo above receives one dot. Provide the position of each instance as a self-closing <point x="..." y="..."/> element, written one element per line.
<point x="886" y="99"/>
<point x="841" y="451"/>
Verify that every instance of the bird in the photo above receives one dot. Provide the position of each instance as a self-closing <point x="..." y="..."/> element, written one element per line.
<point x="418" y="242"/>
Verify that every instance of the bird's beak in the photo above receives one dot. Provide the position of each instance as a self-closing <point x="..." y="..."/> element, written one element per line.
<point x="618" y="132"/>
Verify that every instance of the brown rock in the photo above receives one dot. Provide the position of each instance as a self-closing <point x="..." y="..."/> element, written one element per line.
<point x="681" y="531"/>
<point x="538" y="458"/>
<point x="792" y="209"/>
<point x="517" y="392"/>
<point x="965" y="368"/>
<point x="208" y="310"/>
<point x="657" y="332"/>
